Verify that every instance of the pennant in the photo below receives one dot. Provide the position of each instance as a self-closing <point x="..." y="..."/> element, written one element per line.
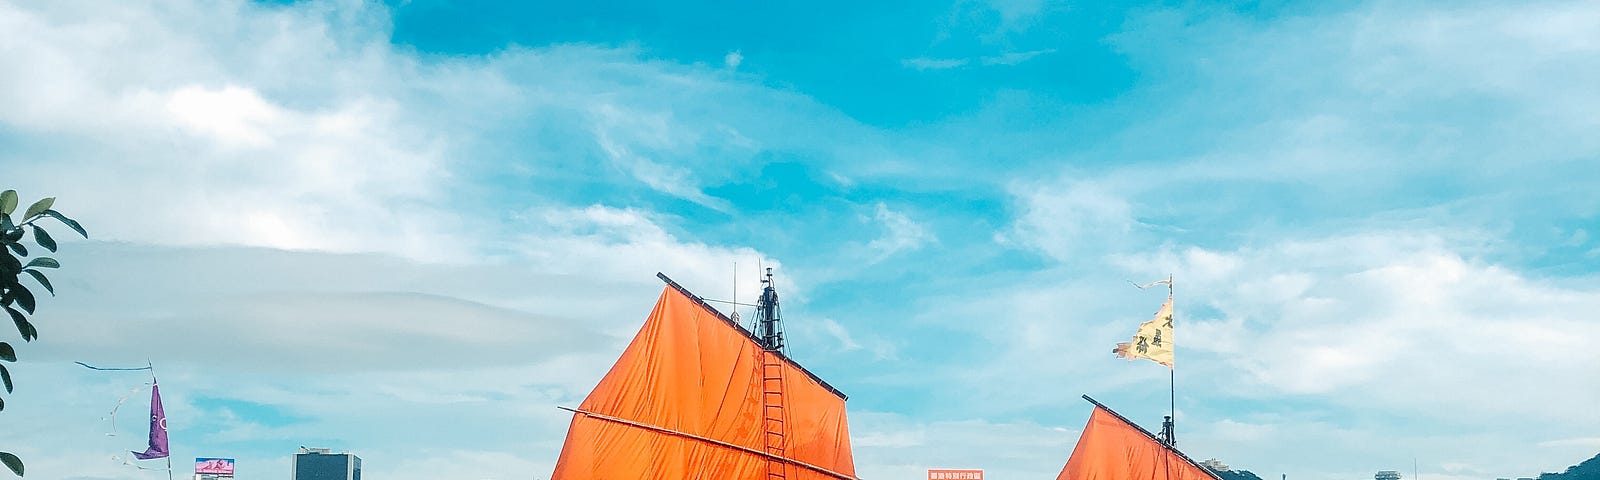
<point x="158" y="427"/>
<point x="1153" y="341"/>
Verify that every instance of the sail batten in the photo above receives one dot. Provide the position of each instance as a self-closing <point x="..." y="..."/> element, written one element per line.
<point x="713" y="441"/>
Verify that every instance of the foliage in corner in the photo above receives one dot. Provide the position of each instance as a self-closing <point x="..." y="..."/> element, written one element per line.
<point x="16" y="298"/>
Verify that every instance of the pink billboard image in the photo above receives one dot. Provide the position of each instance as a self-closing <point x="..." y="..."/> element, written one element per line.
<point x="219" y="466"/>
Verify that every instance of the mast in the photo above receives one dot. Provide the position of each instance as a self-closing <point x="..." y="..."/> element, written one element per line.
<point x="1170" y="427"/>
<point x="774" y="405"/>
<point x="769" y="319"/>
<point x="1138" y="348"/>
<point x="754" y="335"/>
<point x="1168" y="435"/>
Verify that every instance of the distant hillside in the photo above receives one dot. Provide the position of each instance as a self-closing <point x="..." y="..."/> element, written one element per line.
<point x="1246" y="475"/>
<point x="1588" y="470"/>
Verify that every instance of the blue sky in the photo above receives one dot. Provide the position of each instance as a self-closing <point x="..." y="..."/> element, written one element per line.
<point x="411" y="229"/>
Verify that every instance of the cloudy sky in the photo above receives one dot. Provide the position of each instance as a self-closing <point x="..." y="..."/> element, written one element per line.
<point x="411" y="230"/>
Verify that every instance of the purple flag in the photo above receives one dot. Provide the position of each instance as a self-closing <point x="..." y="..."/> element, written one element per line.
<point x="158" y="427"/>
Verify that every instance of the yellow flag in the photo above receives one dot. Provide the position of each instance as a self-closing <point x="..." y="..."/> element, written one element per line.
<point x="1153" y="340"/>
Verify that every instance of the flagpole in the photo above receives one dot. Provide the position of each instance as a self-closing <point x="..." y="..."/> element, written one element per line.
<point x="153" y="382"/>
<point x="1172" y="381"/>
<point x="168" y="453"/>
<point x="1124" y="350"/>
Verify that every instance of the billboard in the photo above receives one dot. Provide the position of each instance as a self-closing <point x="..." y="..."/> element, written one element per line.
<point x="215" y="466"/>
<point x="955" y="474"/>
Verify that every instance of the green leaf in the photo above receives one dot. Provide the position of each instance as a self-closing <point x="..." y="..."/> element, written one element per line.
<point x="5" y="223"/>
<point x="23" y="326"/>
<point x="44" y="262"/>
<point x="37" y="275"/>
<point x="7" y="353"/>
<point x="12" y="462"/>
<point x="24" y="298"/>
<point x="8" y="201"/>
<point x="5" y="377"/>
<point x="8" y="263"/>
<point x="68" y="222"/>
<point x="42" y="238"/>
<point x="17" y="247"/>
<point x="39" y="207"/>
<point x="2" y="404"/>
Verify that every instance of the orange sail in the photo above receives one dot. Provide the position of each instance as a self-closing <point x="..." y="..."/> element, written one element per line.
<point x="1113" y="449"/>
<point x="695" y="397"/>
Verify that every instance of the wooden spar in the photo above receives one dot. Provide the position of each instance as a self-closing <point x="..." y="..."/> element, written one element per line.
<point x="1152" y="437"/>
<point x="719" y="443"/>
<point x="748" y="334"/>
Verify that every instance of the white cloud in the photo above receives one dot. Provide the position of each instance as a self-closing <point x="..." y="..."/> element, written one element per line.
<point x="1014" y="58"/>
<point x="233" y="115"/>
<point x="841" y="334"/>
<point x="1070" y="218"/>
<point x="282" y="311"/>
<point x="1348" y="269"/>
<point x="236" y="145"/>
<point x="994" y="22"/>
<point x="901" y="233"/>
<point x="733" y="59"/>
<point x="1399" y="310"/>
<point x="213" y="110"/>
<point x="1349" y="330"/>
<point x="1002" y="59"/>
<point x="923" y="63"/>
<point x="1365" y="115"/>
<point x="234" y="152"/>
<point x="1590" y="442"/>
<point x="1578" y="238"/>
<point x="651" y="131"/>
<point x="890" y="445"/>
<point x="1017" y="14"/>
<point x="870" y="342"/>
<point x="607" y="242"/>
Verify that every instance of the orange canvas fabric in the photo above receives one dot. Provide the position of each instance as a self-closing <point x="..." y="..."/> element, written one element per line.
<point x="1111" y="449"/>
<point x="690" y="371"/>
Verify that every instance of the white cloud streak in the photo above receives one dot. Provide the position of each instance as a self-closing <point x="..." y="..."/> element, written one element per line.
<point x="900" y="233"/>
<point x="924" y="63"/>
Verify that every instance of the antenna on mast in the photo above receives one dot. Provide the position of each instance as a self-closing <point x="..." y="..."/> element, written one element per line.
<point x="769" y="319"/>
<point x="755" y="322"/>
<point x="735" y="303"/>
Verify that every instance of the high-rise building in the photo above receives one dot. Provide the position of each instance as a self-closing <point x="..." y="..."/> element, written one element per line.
<point x="1387" y="475"/>
<point x="323" y="464"/>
